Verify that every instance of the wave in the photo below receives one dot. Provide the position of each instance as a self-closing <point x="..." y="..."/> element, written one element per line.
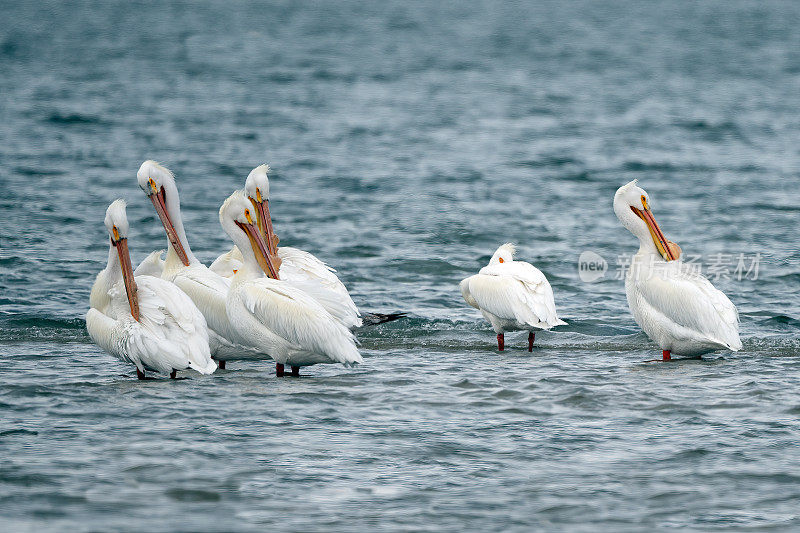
<point x="24" y="327"/>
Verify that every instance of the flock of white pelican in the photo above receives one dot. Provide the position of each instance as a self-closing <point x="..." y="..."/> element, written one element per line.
<point x="264" y="301"/>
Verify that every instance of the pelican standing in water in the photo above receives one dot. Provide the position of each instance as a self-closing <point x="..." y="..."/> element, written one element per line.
<point x="678" y="308"/>
<point x="144" y="320"/>
<point x="206" y="289"/>
<point x="274" y="314"/>
<point x="295" y="265"/>
<point x="512" y="295"/>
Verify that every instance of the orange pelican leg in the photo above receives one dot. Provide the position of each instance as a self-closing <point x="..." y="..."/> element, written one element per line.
<point x="665" y="356"/>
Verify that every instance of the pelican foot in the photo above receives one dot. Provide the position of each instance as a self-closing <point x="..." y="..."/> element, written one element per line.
<point x="173" y="374"/>
<point x="279" y="370"/>
<point x="296" y="371"/>
<point x="221" y="365"/>
<point x="139" y="374"/>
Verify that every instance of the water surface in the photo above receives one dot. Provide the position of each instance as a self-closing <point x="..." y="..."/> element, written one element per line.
<point x="408" y="140"/>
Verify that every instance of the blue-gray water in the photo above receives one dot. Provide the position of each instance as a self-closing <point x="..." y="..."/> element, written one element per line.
<point x="408" y="141"/>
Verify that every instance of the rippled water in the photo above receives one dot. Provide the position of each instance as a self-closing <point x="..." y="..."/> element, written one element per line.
<point x="408" y="140"/>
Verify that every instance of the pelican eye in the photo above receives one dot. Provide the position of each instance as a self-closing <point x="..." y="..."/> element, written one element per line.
<point x="644" y="202"/>
<point x="501" y="260"/>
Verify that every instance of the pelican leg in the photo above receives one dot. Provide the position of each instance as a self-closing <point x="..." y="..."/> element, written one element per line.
<point x="665" y="356"/>
<point x="531" y="337"/>
<point x="221" y="364"/>
<point x="279" y="370"/>
<point x="173" y="374"/>
<point x="295" y="371"/>
<point x="501" y="342"/>
<point x="139" y="374"/>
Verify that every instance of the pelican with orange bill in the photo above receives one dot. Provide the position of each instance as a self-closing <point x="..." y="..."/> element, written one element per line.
<point x="319" y="280"/>
<point x="273" y="314"/>
<point x="144" y="320"/>
<point x="205" y="288"/>
<point x="679" y="309"/>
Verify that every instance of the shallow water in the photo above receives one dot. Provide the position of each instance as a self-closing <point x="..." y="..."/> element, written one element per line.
<point x="408" y="141"/>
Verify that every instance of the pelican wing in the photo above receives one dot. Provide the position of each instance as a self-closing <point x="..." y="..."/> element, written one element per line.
<point x="299" y="319"/>
<point x="690" y="300"/>
<point x="208" y="291"/>
<point x="152" y="265"/>
<point x="538" y="294"/>
<point x="299" y="264"/>
<point x="174" y="323"/>
<point x="225" y="264"/>
<point x="104" y="331"/>
<point x="340" y="307"/>
<point x="511" y="298"/>
<point x="305" y="271"/>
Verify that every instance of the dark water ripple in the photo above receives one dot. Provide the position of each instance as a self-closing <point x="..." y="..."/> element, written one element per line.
<point x="408" y="140"/>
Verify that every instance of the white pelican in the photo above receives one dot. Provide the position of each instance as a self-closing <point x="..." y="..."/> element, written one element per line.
<point x="512" y="295"/>
<point x="273" y="314"/>
<point x="144" y="320"/>
<point x="678" y="308"/>
<point x="206" y="288"/>
<point x="300" y="267"/>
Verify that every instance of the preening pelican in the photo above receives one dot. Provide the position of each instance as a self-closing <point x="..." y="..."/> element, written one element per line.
<point x="144" y="320"/>
<point x="206" y="289"/>
<point x="300" y="267"/>
<point x="274" y="314"/>
<point x="678" y="308"/>
<point x="512" y="295"/>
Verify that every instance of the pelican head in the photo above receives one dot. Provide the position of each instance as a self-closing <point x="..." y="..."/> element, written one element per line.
<point x="238" y="219"/>
<point x="632" y="206"/>
<point x="504" y="254"/>
<point x="257" y="189"/>
<point x="257" y="184"/>
<point x="156" y="180"/>
<point x="116" y="222"/>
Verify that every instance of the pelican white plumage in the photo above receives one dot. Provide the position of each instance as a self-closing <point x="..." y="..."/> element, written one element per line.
<point x="678" y="308"/>
<point x="309" y="273"/>
<point x="152" y="265"/>
<point x="206" y="289"/>
<point x="298" y="266"/>
<point x="275" y="314"/>
<point x="144" y="320"/>
<point x="512" y="295"/>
